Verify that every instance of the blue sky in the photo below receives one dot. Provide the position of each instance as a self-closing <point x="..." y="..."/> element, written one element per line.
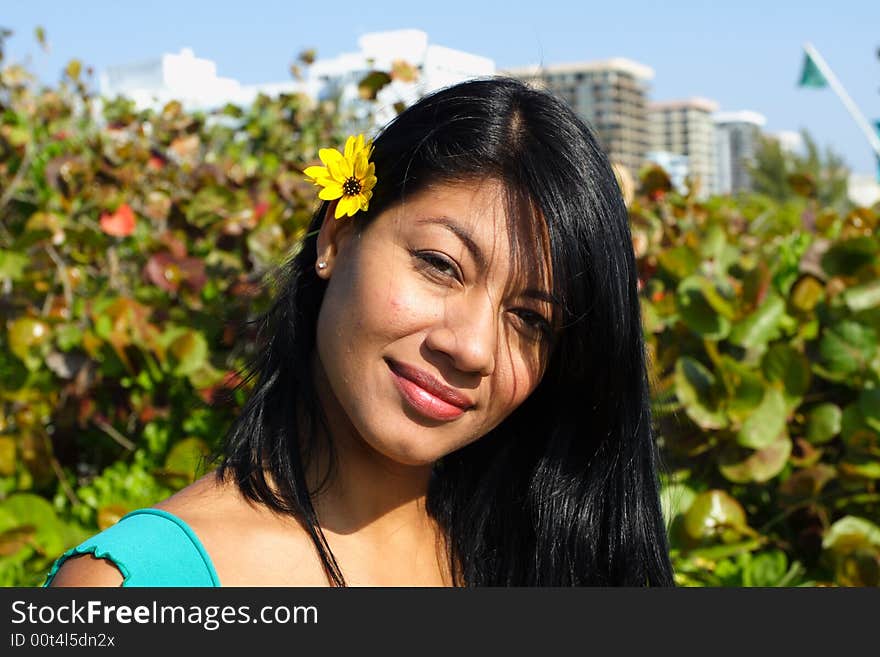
<point x="743" y="54"/>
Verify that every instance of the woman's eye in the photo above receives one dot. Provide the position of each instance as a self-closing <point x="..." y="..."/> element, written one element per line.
<point x="534" y="321"/>
<point x="438" y="264"/>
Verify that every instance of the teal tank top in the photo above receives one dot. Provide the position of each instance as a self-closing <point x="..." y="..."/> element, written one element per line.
<point x="150" y="547"/>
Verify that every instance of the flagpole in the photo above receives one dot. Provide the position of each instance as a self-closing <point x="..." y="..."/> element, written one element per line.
<point x="853" y="109"/>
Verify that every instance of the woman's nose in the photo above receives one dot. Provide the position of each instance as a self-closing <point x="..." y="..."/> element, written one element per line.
<point x="468" y="335"/>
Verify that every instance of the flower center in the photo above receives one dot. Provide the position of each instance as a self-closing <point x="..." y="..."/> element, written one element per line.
<point x="351" y="187"/>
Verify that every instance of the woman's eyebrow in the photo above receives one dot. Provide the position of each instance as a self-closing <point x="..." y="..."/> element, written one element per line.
<point x="462" y="234"/>
<point x="477" y="253"/>
<point x="541" y="295"/>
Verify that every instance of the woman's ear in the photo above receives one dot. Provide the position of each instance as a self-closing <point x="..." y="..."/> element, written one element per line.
<point x="332" y="238"/>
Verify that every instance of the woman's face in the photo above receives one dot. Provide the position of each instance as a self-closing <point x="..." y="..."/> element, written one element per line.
<point x="428" y="335"/>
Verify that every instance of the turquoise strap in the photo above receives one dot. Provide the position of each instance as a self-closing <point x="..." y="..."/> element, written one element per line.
<point x="151" y="547"/>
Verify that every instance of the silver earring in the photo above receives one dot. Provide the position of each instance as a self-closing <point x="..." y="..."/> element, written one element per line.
<point x="322" y="265"/>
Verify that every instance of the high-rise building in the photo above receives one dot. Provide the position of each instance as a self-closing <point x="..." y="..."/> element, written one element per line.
<point x="686" y="128"/>
<point x="610" y="95"/>
<point x="737" y="136"/>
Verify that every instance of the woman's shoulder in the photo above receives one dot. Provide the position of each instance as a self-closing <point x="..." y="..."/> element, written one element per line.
<point x="148" y="547"/>
<point x="207" y="531"/>
<point x="249" y="544"/>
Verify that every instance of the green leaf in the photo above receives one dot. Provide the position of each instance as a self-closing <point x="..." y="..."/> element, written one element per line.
<point x="860" y="467"/>
<point x="676" y="499"/>
<point x="862" y="297"/>
<point x="696" y="388"/>
<point x="849" y="533"/>
<point x="763" y="426"/>
<point x="765" y="568"/>
<point x="846" y="258"/>
<point x="718" y="552"/>
<point x="746" y="385"/>
<point x="743" y="466"/>
<point x="679" y="262"/>
<point x="186" y="457"/>
<point x="12" y="264"/>
<point x="30" y="509"/>
<point x="761" y="326"/>
<point x="26" y="337"/>
<point x="68" y="336"/>
<point x="869" y="404"/>
<point x="190" y="352"/>
<point x="697" y="312"/>
<point x="852" y="421"/>
<point x="806" y="293"/>
<point x="784" y="363"/>
<point x="823" y="423"/>
<point x="847" y="347"/>
<point x="7" y="456"/>
<point x="711" y="513"/>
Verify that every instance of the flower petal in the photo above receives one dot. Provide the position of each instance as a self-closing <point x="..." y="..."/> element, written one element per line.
<point x="353" y="205"/>
<point x="360" y="165"/>
<point x="364" y="202"/>
<point x="341" y="208"/>
<point x="339" y="168"/>
<point x="331" y="192"/>
<point x="368" y="183"/>
<point x="316" y="172"/>
<point x="352" y="146"/>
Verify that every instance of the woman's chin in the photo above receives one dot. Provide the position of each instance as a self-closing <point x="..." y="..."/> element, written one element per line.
<point x="412" y="452"/>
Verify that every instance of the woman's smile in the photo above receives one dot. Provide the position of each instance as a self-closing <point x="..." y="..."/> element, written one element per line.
<point x="427" y="395"/>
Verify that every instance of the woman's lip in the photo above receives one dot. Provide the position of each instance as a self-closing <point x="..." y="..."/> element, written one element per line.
<point x="423" y="400"/>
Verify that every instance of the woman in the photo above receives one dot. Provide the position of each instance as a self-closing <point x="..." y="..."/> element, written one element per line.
<point x="451" y="387"/>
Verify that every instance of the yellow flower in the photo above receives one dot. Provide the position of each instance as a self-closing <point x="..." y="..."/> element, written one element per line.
<point x="349" y="176"/>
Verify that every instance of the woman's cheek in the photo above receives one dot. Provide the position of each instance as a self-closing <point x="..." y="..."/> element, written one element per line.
<point x="407" y="306"/>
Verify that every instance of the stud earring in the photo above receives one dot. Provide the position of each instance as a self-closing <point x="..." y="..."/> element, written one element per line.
<point x="322" y="265"/>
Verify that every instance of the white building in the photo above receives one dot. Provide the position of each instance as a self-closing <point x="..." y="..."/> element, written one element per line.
<point x="191" y="80"/>
<point x="790" y="141"/>
<point x="436" y="67"/>
<point x="863" y="189"/>
<point x="737" y="138"/>
<point x="194" y="81"/>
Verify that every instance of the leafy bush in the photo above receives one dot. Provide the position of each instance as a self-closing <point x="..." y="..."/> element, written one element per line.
<point x="133" y="248"/>
<point x="763" y="323"/>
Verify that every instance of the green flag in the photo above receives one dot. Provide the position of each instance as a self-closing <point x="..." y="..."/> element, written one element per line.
<point x="877" y="126"/>
<point x="811" y="76"/>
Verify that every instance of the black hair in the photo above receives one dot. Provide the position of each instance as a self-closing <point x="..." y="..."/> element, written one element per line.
<point x="565" y="490"/>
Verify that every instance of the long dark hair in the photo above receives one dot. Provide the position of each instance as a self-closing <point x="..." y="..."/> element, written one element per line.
<point x="565" y="490"/>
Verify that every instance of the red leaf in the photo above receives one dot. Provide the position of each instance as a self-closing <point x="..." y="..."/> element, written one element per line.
<point x="260" y="209"/>
<point x="119" y="224"/>
<point x="161" y="270"/>
<point x="170" y="272"/>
